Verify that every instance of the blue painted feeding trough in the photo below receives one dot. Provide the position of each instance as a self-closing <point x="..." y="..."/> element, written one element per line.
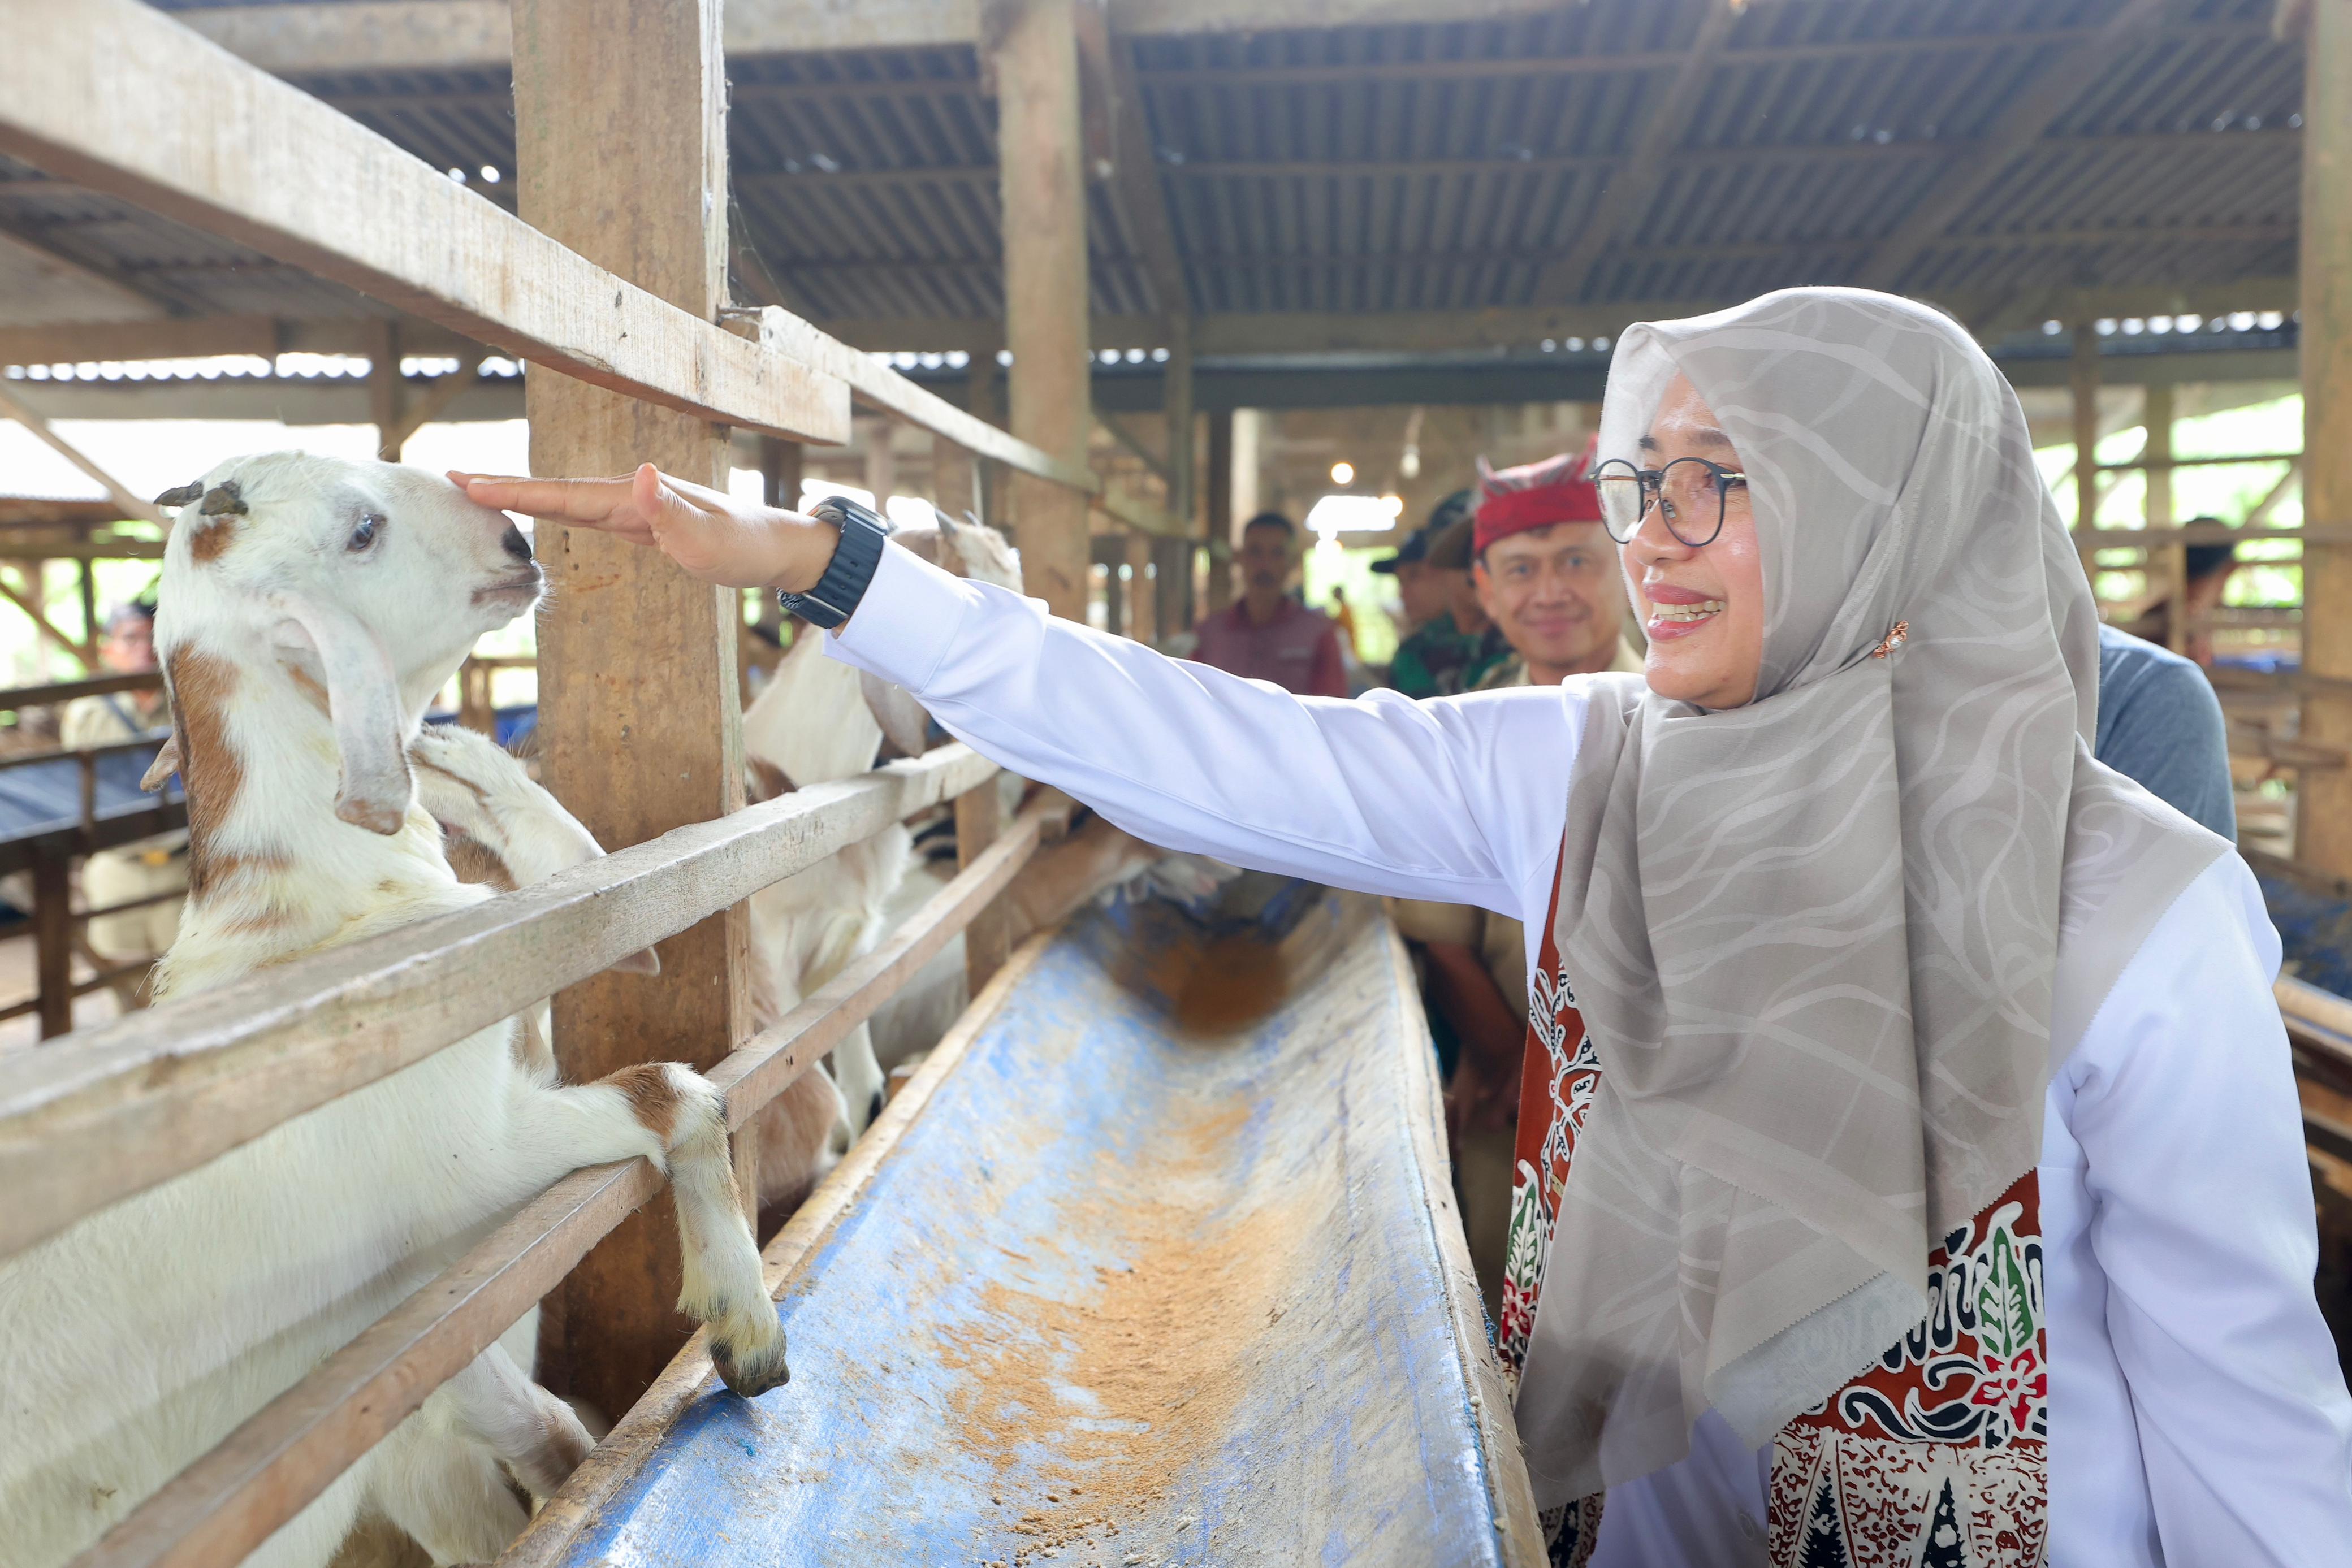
<point x="1155" y="1261"/>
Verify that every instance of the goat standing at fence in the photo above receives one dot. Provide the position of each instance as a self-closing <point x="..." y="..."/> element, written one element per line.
<point x="311" y="608"/>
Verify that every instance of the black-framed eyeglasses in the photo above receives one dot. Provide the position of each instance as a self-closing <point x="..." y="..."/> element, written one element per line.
<point x="1691" y="494"/>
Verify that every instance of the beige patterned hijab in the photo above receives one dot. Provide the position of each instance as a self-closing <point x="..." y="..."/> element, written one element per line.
<point x="1830" y="945"/>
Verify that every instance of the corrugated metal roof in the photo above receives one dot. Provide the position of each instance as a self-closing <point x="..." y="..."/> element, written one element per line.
<point x="1442" y="166"/>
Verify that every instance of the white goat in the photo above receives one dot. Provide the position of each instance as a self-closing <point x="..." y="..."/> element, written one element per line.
<point x="816" y="721"/>
<point x="311" y="609"/>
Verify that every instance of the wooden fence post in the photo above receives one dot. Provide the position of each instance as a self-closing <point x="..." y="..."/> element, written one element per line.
<point x="1034" y="58"/>
<point x="620" y="154"/>
<point x="979" y="819"/>
<point x="53" y="940"/>
<point x="2323" y="796"/>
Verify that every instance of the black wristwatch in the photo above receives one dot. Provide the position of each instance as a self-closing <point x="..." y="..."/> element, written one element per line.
<point x="835" y="595"/>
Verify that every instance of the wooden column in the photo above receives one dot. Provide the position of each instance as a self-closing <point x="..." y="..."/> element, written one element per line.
<point x="2167" y="569"/>
<point x="955" y="479"/>
<point x="620" y="134"/>
<point x="2324" y="806"/>
<point x="1142" y="617"/>
<point x="2085" y="380"/>
<point x="1172" y="558"/>
<point x="979" y="818"/>
<point x="1035" y="60"/>
<point x="881" y="462"/>
<point x="385" y="391"/>
<point x="1218" y="493"/>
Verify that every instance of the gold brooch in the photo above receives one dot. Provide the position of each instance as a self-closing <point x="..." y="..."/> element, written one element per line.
<point x="1894" y="640"/>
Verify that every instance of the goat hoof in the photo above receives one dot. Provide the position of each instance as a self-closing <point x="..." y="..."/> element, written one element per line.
<point x="753" y="1373"/>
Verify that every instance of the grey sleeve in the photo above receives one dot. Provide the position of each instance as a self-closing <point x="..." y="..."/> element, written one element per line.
<point x="2167" y="733"/>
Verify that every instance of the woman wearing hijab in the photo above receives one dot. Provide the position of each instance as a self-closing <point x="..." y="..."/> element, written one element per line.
<point x="1910" y="1163"/>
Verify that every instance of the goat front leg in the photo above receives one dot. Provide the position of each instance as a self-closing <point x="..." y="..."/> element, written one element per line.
<point x="860" y="1079"/>
<point x="674" y="1117"/>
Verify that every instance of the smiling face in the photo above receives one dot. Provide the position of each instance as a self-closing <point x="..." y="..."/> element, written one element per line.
<point x="1702" y="608"/>
<point x="1556" y="594"/>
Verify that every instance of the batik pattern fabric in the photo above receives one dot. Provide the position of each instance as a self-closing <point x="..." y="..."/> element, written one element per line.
<point x="1934" y="1457"/>
<point x="1558" y="1075"/>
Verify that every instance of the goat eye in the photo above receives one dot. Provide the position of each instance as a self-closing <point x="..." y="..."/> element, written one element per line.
<point x="364" y="535"/>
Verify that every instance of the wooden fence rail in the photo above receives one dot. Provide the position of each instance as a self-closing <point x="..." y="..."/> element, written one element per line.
<point x="170" y="1088"/>
<point x="292" y="1450"/>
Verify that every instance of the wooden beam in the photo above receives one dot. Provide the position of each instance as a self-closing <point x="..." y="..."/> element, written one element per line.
<point x="2027" y="118"/>
<point x="1665" y="119"/>
<point x="1140" y="195"/>
<point x="620" y="121"/>
<point x="878" y="387"/>
<point x="476" y="34"/>
<point x="96" y="93"/>
<point x="133" y="505"/>
<point x="1120" y="432"/>
<point x="2324" y="800"/>
<point x="473" y="35"/>
<point x="2168" y="562"/>
<point x="41" y="285"/>
<point x="1172" y="558"/>
<point x="1218" y="498"/>
<point x="2085" y="388"/>
<point x="85" y="652"/>
<point x="1034" y="55"/>
<point x="430" y="403"/>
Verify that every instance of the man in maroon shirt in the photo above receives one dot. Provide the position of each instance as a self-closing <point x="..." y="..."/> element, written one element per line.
<point x="1266" y="634"/>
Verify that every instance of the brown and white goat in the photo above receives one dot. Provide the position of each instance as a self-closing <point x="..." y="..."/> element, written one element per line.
<point x="311" y="609"/>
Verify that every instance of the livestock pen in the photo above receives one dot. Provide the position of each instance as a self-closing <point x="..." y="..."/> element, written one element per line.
<point x="91" y="93"/>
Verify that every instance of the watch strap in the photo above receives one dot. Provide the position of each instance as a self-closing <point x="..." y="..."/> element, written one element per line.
<point x="847" y="576"/>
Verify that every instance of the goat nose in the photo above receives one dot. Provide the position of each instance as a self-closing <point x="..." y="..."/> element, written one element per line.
<point x="514" y="544"/>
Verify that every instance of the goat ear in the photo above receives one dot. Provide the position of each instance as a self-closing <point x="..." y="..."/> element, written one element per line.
<point x="167" y="762"/>
<point x="364" y="701"/>
<point x="903" y="723"/>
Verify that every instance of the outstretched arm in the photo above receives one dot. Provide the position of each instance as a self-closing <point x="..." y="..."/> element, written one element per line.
<point x="1460" y="800"/>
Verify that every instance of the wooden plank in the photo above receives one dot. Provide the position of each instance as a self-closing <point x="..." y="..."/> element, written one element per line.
<point x="1172" y="555"/>
<point x="15" y="697"/>
<point x="1034" y="55"/>
<point x="96" y="93"/>
<point x="877" y="386"/>
<point x="132" y="504"/>
<point x="473" y="35"/>
<point x="1136" y="171"/>
<point x="2324" y="801"/>
<point x="1665" y="119"/>
<point x="2216" y="534"/>
<point x="620" y="142"/>
<point x="978" y="823"/>
<point x="2065" y="74"/>
<point x="2167" y="564"/>
<point x="768" y="1062"/>
<point x="287" y="1453"/>
<point x="620" y="1456"/>
<point x="181" y="1083"/>
<point x="53" y="943"/>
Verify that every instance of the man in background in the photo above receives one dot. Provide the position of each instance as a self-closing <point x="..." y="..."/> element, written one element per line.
<point x="1457" y="648"/>
<point x="1266" y="634"/>
<point x="1420" y="589"/>
<point x="151" y="866"/>
<point x="1547" y="574"/>
<point x="2161" y="725"/>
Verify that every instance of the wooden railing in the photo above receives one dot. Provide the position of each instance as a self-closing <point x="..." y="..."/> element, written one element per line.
<point x="96" y="93"/>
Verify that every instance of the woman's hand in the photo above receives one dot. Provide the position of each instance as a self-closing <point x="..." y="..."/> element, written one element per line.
<point x="712" y="535"/>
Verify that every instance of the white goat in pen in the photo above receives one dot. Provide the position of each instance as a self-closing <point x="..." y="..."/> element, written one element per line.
<point x="311" y="609"/>
<point x="817" y="720"/>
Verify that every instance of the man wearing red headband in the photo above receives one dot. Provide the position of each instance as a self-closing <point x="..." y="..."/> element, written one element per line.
<point x="1547" y="575"/>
